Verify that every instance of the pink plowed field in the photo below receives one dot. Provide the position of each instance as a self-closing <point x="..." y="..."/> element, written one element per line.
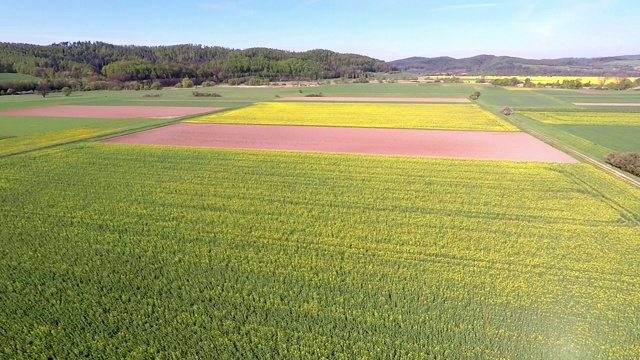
<point x="378" y="99"/>
<point x="109" y="112"/>
<point x="433" y="143"/>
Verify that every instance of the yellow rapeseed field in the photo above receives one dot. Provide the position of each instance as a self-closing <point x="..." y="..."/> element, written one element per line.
<point x="23" y="143"/>
<point x="371" y="115"/>
<point x="594" y="80"/>
<point x="584" y="118"/>
<point x="314" y="256"/>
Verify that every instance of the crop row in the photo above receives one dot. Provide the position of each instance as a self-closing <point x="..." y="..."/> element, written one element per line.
<point x="165" y="252"/>
<point x="584" y="117"/>
<point x="418" y="116"/>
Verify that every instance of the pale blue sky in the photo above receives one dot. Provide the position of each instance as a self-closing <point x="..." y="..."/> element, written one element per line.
<point x="384" y="29"/>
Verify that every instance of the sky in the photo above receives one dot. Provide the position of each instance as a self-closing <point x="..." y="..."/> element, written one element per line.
<point x="383" y="29"/>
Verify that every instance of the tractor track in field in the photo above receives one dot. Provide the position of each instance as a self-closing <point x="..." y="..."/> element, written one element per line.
<point x="577" y="153"/>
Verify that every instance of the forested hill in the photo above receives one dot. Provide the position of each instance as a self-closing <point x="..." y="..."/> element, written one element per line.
<point x="506" y="65"/>
<point x="81" y="60"/>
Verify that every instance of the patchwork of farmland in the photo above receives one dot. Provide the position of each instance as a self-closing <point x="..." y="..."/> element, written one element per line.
<point x="174" y="252"/>
<point x="110" y="250"/>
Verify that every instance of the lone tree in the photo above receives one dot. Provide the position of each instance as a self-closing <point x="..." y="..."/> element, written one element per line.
<point x="475" y="95"/>
<point x="43" y="88"/>
<point x="507" y="110"/>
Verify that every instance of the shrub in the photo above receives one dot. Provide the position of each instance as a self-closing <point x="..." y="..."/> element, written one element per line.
<point x="453" y="79"/>
<point x="11" y="91"/>
<point x="205" y="94"/>
<point x="156" y="85"/>
<point x="315" y="95"/>
<point x="475" y="95"/>
<point x="96" y="85"/>
<point x="208" y="83"/>
<point x="627" y="161"/>
<point x="187" y="83"/>
<point x="66" y="91"/>
<point x="132" y="85"/>
<point x="257" y="82"/>
<point x="151" y="95"/>
<point x="507" y="110"/>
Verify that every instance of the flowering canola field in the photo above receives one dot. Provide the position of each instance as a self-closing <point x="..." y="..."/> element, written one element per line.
<point x="584" y="117"/>
<point x="184" y="252"/>
<point x="595" y="80"/>
<point x="42" y="139"/>
<point x="372" y="115"/>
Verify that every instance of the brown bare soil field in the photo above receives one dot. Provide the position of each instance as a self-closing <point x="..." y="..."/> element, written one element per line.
<point x="109" y="112"/>
<point x="516" y="146"/>
<point x="377" y="99"/>
<point x="606" y="104"/>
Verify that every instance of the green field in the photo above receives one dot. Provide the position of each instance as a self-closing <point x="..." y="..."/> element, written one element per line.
<point x="17" y="77"/>
<point x="596" y="132"/>
<point x="29" y="125"/>
<point x="20" y="134"/>
<point x="585" y="117"/>
<point x="613" y="96"/>
<point x="616" y="138"/>
<point x="148" y="251"/>
<point x="122" y="251"/>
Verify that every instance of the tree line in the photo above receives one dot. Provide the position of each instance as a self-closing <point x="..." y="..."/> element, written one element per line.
<point x="114" y="65"/>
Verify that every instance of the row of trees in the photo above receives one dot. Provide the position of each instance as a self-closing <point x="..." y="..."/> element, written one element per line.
<point x="618" y="83"/>
<point x="121" y="64"/>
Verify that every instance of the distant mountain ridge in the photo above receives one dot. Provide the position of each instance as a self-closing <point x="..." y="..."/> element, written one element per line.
<point x="625" y="65"/>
